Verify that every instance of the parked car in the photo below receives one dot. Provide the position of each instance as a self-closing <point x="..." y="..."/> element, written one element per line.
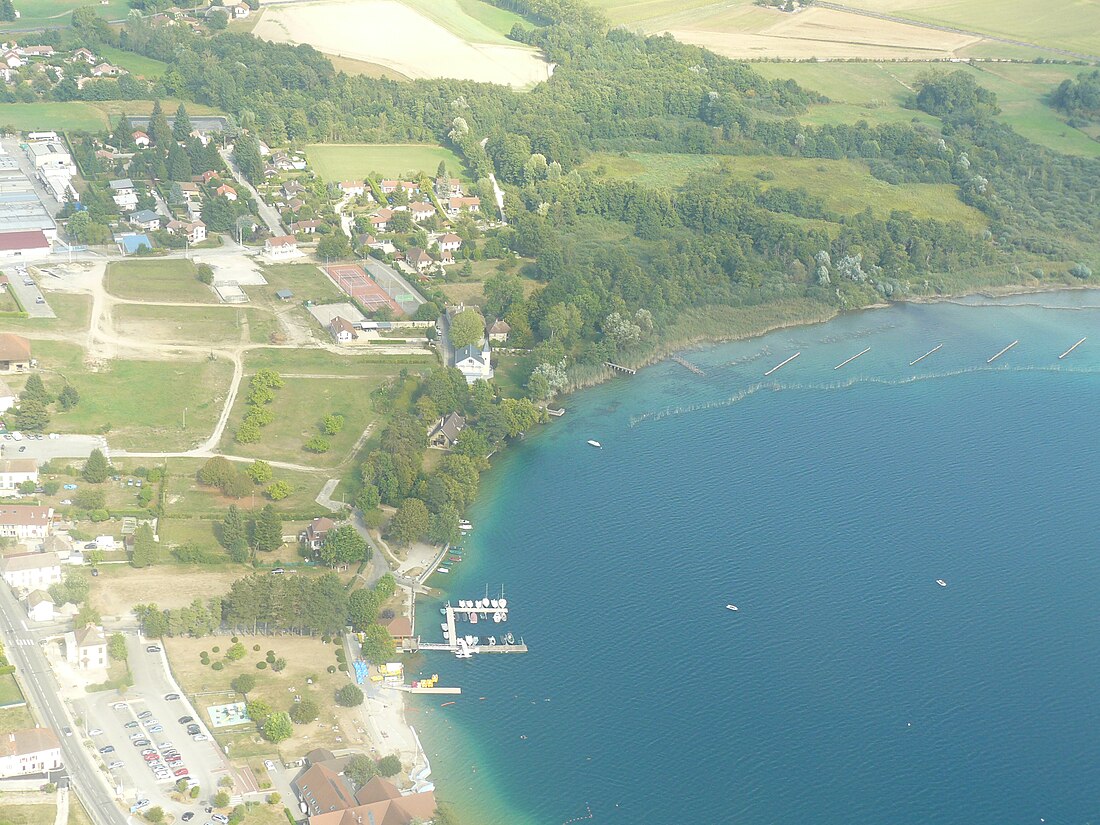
<point x="193" y="729"/>
<point x="107" y="749"/>
<point x="156" y="729"/>
<point x="95" y="732"/>
<point x="145" y="803"/>
<point x="188" y="816"/>
<point x="141" y="743"/>
<point x="131" y="724"/>
<point x="153" y="649"/>
<point x="200" y="737"/>
<point x="171" y="697"/>
<point x="183" y="720"/>
<point x="148" y="751"/>
<point x="114" y="766"/>
<point x="145" y="714"/>
<point x="182" y="772"/>
<point x="67" y="731"/>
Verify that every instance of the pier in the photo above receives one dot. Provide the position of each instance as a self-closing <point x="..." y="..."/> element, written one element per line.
<point x="782" y="364"/>
<point x="556" y="413"/>
<point x="1071" y="349"/>
<point x="1002" y="352"/>
<point x="853" y="358"/>
<point x="485" y="609"/>
<point x="620" y="368"/>
<point x="918" y="360"/>
<point x="683" y="362"/>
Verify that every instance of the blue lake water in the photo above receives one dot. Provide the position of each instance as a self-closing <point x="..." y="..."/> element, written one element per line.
<point x="825" y="503"/>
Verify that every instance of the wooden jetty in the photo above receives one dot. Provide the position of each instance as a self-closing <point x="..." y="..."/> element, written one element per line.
<point x="683" y="362"/>
<point x="1071" y="349"/>
<point x="1002" y="352"/>
<point x="446" y="691"/>
<point x="620" y="368"/>
<point x="853" y="358"/>
<point x="556" y="413"/>
<point x="782" y="364"/>
<point x="918" y="360"/>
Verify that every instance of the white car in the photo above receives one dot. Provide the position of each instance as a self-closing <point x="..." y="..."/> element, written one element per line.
<point x="200" y="737"/>
<point x="120" y="705"/>
<point x="114" y="766"/>
<point x="95" y="732"/>
<point x="145" y="803"/>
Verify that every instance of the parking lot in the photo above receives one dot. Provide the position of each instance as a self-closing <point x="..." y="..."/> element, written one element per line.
<point x="28" y="293"/>
<point x="45" y="448"/>
<point x="146" y="768"/>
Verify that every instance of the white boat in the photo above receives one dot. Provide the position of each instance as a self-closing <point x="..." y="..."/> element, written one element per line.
<point x="497" y="617"/>
<point x="465" y="526"/>
<point x="503" y="602"/>
<point x="495" y="603"/>
<point x="941" y="582"/>
<point x="442" y="570"/>
<point x="473" y="618"/>
<point x="442" y="625"/>
<point x="593" y="443"/>
<point x="731" y="607"/>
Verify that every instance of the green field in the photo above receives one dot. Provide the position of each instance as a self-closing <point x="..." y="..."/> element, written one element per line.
<point x="354" y="161"/>
<point x="77" y="116"/>
<point x="306" y="281"/>
<point x="497" y="19"/>
<point x="875" y="92"/>
<point x="218" y="324"/>
<point x="472" y="20"/>
<point x="17" y="813"/>
<point x="318" y="361"/>
<point x="141" y="401"/>
<point x="172" y="280"/>
<point x="9" y="690"/>
<point x="846" y="186"/>
<point x="187" y="498"/>
<point x="56" y="11"/>
<point x="1062" y="24"/>
<point x="618" y="11"/>
<point x="138" y="64"/>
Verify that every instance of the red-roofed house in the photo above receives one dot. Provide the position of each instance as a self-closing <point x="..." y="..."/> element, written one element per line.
<point x="381" y="219"/>
<point x="227" y="192"/>
<point x="314" y="534"/>
<point x="15" y="353"/>
<point x="382" y="804"/>
<point x="29" y="243"/>
<point x="342" y="330"/>
<point x="421" y="211"/>
<point x="281" y="246"/>
<point x="457" y="205"/>
<point x="194" y="231"/>
<point x="141" y="140"/>
<point x="351" y="187"/>
<point x="29" y="751"/>
<point x="388" y="186"/>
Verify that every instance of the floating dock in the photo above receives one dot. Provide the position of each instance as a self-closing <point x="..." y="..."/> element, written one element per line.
<point x="853" y="358"/>
<point x="781" y="364"/>
<point x="445" y="691"/>
<point x="683" y="362"/>
<point x="1071" y="349"/>
<point x="918" y="360"/>
<point x="483" y="608"/>
<point x="1002" y="352"/>
<point x="556" y="413"/>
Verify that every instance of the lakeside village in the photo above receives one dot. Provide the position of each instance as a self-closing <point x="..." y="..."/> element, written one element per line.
<point x="355" y="762"/>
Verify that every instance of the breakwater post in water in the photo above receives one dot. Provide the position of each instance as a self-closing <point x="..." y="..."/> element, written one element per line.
<point x="918" y="360"/>
<point x="687" y="364"/>
<point x="1002" y="352"/>
<point x="782" y="364"/>
<point x="619" y="368"/>
<point x="1071" y="349"/>
<point x="853" y="358"/>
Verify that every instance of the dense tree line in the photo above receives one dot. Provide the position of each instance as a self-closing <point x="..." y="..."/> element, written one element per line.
<point x="1079" y="98"/>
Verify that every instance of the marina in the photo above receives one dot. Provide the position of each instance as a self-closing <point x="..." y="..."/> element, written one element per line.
<point x="1071" y="349"/>
<point x="918" y="360"/>
<point x="1002" y="352"/>
<point x="853" y="358"/>
<point x="781" y="364"/>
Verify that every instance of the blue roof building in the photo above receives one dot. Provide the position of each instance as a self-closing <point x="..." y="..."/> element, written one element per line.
<point x="131" y="242"/>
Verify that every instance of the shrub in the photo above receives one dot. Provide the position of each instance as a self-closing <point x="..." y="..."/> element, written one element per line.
<point x="271" y="653"/>
<point x="342" y="668"/>
<point x="235" y="653"/>
<point x="195" y="792"/>
<point x="234" y="640"/>
<point x="317" y="444"/>
<point x="389" y="765"/>
<point x="218" y="665"/>
<point x="304" y="712"/>
<point x="331" y="668"/>
<point x="244" y="683"/>
<point x="349" y="696"/>
<point x="279" y="664"/>
<point x="270" y="658"/>
<point x="256" y="648"/>
<point x="274" y="799"/>
<point x="216" y="649"/>
<point x="221" y="799"/>
<point x="261" y="665"/>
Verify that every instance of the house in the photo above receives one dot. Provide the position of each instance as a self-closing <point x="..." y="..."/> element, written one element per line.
<point x="141" y="140"/>
<point x="208" y="176"/>
<point x="239" y="9"/>
<point x="421" y="211"/>
<point x="444" y="434"/>
<point x="39" y="606"/>
<point x="314" y="534"/>
<point x="281" y="246"/>
<point x="381" y="219"/>
<point x="15" y="353"/>
<point x="31" y="571"/>
<point x="29" y="752"/>
<point x="456" y="206"/>
<point x="498" y="331"/>
<point x="83" y="55"/>
<point x="380" y="802"/>
<point x="86" y="648"/>
<point x="190" y="189"/>
<point x="194" y="231"/>
<point x="295" y="204"/>
<point x="131" y="242"/>
<point x="474" y="364"/>
<point x="322" y="787"/>
<point x="147" y="219"/>
<point x="351" y="187"/>
<point x="418" y="259"/>
<point x="51" y="155"/>
<point x="106" y="70"/>
<point x="282" y="162"/>
<point x="16" y="471"/>
<point x="448" y="187"/>
<point x="342" y="330"/>
<point x="400" y="629"/>
<point x="304" y="227"/>
<point x="292" y="188"/>
<point x="449" y="242"/>
<point x="124" y="194"/>
<point x="7" y="395"/>
<point x="37" y="51"/>
<point x="194" y="210"/>
<point x="409" y="187"/>
<point x="226" y="191"/>
<point x="11" y="59"/>
<point x="62" y="546"/>
<point x="388" y="186"/>
<point x="26" y="243"/>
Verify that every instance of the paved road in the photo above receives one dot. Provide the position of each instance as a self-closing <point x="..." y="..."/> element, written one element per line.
<point x="38" y="681"/>
<point x="28" y="294"/>
<point x="267" y="213"/>
<point x="64" y="446"/>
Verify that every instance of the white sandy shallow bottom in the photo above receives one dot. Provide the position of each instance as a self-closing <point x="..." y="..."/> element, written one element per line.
<point x="391" y="34"/>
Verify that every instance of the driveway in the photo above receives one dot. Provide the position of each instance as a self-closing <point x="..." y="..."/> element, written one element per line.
<point x="151" y="684"/>
<point x="64" y="446"/>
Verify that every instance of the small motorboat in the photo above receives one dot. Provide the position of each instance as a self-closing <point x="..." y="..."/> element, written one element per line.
<point x="465" y="526"/>
<point x="941" y="582"/>
<point x="732" y="607"/>
<point x="443" y="570"/>
<point x="596" y="444"/>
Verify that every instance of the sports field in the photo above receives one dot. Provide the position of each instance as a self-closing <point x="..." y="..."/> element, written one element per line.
<point x="354" y="281"/>
<point x="172" y="280"/>
<point x="876" y="91"/>
<point x="419" y="39"/>
<point x="354" y="161"/>
<point x="846" y="186"/>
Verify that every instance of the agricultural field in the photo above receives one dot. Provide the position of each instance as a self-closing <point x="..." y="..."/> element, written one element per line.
<point x="418" y="39"/>
<point x="173" y="280"/>
<point x="363" y="67"/>
<point x="846" y="186"/>
<point x="78" y="116"/>
<point x="876" y="92"/>
<point x="58" y="11"/>
<point x="17" y="811"/>
<point x="138" y="64"/>
<point x="140" y="403"/>
<point x="354" y="161"/>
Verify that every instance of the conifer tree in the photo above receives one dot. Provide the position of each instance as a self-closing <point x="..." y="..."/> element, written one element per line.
<point x="182" y="127"/>
<point x="269" y="530"/>
<point x="145" y="548"/>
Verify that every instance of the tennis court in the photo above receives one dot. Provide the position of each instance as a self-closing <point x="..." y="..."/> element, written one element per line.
<point x="354" y="281"/>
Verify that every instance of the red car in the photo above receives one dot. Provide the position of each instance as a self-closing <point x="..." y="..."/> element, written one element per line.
<point x="182" y="772"/>
<point x="152" y="757"/>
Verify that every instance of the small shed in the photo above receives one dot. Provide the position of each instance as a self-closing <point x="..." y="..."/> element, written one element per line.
<point x="284" y="294"/>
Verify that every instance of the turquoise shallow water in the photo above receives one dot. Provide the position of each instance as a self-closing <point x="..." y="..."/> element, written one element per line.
<point x="824" y="503"/>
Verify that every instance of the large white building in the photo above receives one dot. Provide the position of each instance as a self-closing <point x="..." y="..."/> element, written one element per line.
<point x="15" y="471"/>
<point x="86" y="647"/>
<point x="31" y="571"/>
<point x="474" y="364"/>
<point x="28" y="752"/>
<point x="25" y="521"/>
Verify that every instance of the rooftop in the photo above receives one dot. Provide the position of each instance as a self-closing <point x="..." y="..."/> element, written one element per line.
<point x="14" y="347"/>
<point x="29" y="561"/>
<point x="28" y="741"/>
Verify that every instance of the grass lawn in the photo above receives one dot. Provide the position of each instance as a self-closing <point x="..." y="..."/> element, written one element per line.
<point x="306" y="281"/>
<point x="138" y="64"/>
<point x="141" y="401"/>
<point x="77" y="814"/>
<point x="472" y="20"/>
<point x="497" y="19"/>
<point x="876" y="91"/>
<point x="197" y="531"/>
<point x="353" y="67"/>
<point x="172" y="280"/>
<point x="15" y="719"/>
<point x="187" y="498"/>
<point x="55" y="11"/>
<point x="367" y="365"/>
<point x="9" y="690"/>
<point x="218" y="324"/>
<point x="845" y="186"/>
<point x="299" y="407"/>
<point x="118" y="587"/>
<point x="354" y="161"/>
<point x="72" y="116"/>
<point x="510" y="372"/>
<point x="16" y="813"/>
<point x="472" y="292"/>
<point x="307" y="659"/>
